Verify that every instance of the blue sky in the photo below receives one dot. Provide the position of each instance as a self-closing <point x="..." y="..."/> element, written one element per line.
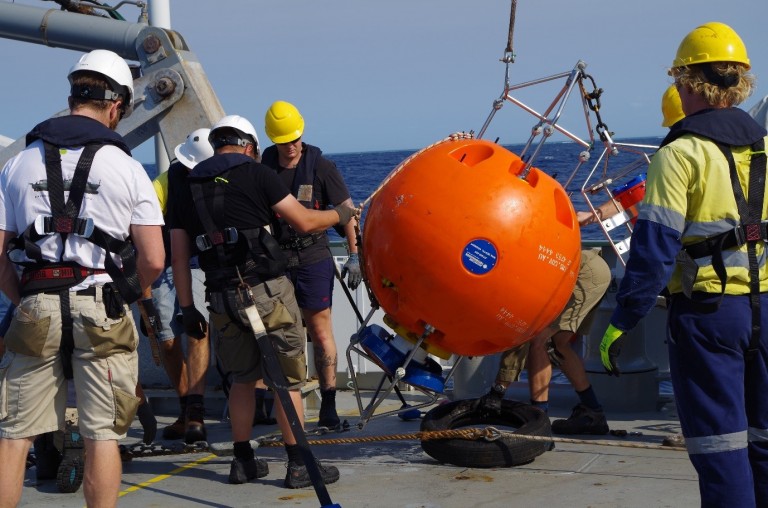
<point x="402" y="74"/>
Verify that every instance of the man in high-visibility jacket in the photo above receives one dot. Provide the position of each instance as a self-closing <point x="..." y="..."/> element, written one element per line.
<point x="701" y="232"/>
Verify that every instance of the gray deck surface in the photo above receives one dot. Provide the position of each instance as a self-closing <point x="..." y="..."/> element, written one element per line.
<point x="377" y="472"/>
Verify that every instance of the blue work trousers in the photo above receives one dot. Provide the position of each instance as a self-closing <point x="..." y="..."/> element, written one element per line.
<point x="722" y="398"/>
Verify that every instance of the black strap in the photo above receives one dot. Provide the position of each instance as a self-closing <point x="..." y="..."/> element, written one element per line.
<point x="205" y="216"/>
<point x="61" y="211"/>
<point x="127" y="279"/>
<point x="274" y="371"/>
<point x="67" y="345"/>
<point x="751" y="212"/>
<point x="304" y="174"/>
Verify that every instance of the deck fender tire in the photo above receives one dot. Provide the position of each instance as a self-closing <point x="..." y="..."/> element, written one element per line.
<point x="507" y="451"/>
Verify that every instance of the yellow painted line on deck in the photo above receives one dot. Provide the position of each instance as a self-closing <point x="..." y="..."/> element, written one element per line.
<point x="196" y="463"/>
<point x="162" y="477"/>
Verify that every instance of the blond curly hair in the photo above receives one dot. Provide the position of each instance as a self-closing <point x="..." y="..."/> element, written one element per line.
<point x="694" y="78"/>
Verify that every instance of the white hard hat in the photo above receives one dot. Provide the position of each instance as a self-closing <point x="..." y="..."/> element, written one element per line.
<point x="114" y="69"/>
<point x="195" y="149"/>
<point x="241" y="125"/>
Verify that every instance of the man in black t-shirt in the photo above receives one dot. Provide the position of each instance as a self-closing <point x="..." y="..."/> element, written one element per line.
<point x="317" y="184"/>
<point x="221" y="213"/>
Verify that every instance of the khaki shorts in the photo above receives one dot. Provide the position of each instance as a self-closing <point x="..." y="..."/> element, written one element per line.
<point x="33" y="391"/>
<point x="591" y="284"/>
<point x="236" y="347"/>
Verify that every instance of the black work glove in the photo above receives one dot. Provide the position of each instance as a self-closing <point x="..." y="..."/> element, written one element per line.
<point x="148" y="422"/>
<point x="194" y="322"/>
<point x="152" y="316"/>
<point x="352" y="266"/>
<point x="346" y="213"/>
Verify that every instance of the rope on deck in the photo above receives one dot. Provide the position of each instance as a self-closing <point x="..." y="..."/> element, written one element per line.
<point x="475" y="434"/>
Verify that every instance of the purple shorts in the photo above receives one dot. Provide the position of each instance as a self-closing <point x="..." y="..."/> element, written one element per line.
<point x="313" y="284"/>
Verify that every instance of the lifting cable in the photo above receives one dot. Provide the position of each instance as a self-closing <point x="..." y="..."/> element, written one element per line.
<point x="509" y="54"/>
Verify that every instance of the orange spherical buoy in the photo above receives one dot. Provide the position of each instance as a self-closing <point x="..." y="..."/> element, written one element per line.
<point x="460" y="240"/>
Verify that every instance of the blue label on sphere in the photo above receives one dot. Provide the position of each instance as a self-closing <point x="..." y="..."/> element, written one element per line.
<point x="479" y="256"/>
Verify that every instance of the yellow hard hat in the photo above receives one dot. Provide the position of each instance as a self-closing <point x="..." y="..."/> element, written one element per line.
<point x="671" y="107"/>
<point x="283" y="122"/>
<point x="711" y="42"/>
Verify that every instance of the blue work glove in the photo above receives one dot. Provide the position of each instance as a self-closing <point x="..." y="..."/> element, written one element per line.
<point x="194" y="322"/>
<point x="352" y="266"/>
<point x="610" y="349"/>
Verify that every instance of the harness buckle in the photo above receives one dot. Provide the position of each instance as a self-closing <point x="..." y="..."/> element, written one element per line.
<point x="740" y="235"/>
<point x="230" y="235"/>
<point x="46" y="225"/>
<point x="43" y="225"/>
<point x="83" y="227"/>
<point x="205" y="241"/>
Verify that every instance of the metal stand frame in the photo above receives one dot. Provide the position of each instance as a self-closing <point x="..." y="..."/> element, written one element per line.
<point x="389" y="383"/>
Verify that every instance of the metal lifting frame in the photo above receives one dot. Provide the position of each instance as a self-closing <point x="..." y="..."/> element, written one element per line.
<point x="596" y="181"/>
<point x="613" y="225"/>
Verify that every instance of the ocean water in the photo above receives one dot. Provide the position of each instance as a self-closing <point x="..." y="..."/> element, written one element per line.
<point x="363" y="172"/>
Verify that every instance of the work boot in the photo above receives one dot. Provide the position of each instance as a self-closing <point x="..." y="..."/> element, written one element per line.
<point x="243" y="471"/>
<point x="69" y="476"/>
<point x="175" y="430"/>
<point x="47" y="457"/>
<point x="328" y="416"/>
<point x="297" y="476"/>
<point x="583" y="420"/>
<point x="195" y="424"/>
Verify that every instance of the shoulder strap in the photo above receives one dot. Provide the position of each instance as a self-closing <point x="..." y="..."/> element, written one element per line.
<point x="305" y="172"/>
<point x="750" y="217"/>
<point x="206" y="217"/>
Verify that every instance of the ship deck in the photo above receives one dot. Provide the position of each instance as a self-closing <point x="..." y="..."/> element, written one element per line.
<point x="383" y="465"/>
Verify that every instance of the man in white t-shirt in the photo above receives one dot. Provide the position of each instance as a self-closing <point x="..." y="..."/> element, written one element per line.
<point x="68" y="204"/>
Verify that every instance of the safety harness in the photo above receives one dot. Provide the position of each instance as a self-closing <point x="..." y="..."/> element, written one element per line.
<point x="750" y="230"/>
<point x="40" y="275"/>
<point x="226" y="253"/>
<point x="304" y="175"/>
